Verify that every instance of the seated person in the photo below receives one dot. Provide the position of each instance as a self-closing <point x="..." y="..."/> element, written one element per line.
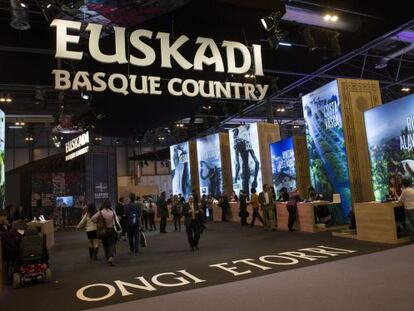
<point x="283" y="195"/>
<point x="394" y="188"/>
<point x="312" y="195"/>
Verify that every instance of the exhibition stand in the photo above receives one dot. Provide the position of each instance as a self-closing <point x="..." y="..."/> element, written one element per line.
<point x="376" y="222"/>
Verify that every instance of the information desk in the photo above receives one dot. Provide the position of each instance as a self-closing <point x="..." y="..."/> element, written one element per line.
<point x="306" y="216"/>
<point x="375" y="222"/>
<point x="45" y="227"/>
<point x="283" y="217"/>
<point x="233" y="213"/>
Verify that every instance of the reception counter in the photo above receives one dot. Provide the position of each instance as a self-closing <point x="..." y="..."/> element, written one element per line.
<point x="283" y="217"/>
<point x="45" y="227"/>
<point x="306" y="216"/>
<point x="233" y="213"/>
<point x="375" y="222"/>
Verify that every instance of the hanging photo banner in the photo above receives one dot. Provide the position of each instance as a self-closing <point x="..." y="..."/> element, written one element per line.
<point x="180" y="169"/>
<point x="390" y="136"/>
<point x="208" y="53"/>
<point x="2" y="165"/>
<point x="326" y="144"/>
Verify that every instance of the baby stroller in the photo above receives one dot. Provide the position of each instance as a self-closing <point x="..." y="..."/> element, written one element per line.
<point x="32" y="260"/>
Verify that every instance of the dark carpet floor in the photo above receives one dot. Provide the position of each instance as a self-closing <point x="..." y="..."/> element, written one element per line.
<point x="165" y="253"/>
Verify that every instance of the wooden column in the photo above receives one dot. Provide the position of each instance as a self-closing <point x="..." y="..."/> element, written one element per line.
<point x="195" y="182"/>
<point x="226" y="162"/>
<point x="301" y="165"/>
<point x="357" y="96"/>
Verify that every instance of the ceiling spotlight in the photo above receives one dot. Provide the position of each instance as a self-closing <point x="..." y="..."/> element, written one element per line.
<point x="331" y="18"/>
<point x="405" y="89"/>
<point x="334" y="18"/>
<point x="2" y="99"/>
<point x="23" y="5"/>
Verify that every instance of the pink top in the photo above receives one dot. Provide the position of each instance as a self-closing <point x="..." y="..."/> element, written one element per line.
<point x="108" y="215"/>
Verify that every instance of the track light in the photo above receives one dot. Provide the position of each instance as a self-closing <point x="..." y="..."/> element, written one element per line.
<point x="5" y="99"/>
<point x="272" y="21"/>
<point x="85" y="95"/>
<point x="331" y="18"/>
<point x="309" y="39"/>
<point x="23" y="5"/>
<point x="405" y="89"/>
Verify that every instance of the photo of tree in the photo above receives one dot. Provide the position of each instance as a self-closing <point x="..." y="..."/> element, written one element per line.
<point x="390" y="136"/>
<point x="326" y="145"/>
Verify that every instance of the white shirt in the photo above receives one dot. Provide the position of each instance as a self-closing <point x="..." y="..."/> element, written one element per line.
<point x="407" y="197"/>
<point x="266" y="195"/>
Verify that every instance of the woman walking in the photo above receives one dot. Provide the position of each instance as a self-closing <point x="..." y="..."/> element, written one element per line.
<point x="151" y="214"/>
<point x="107" y="223"/>
<point x="90" y="227"/>
<point x="194" y="223"/>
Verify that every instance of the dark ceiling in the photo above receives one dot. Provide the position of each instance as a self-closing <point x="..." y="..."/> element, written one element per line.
<point x="27" y="57"/>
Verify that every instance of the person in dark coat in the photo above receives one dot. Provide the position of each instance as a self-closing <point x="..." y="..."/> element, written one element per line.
<point x="163" y="211"/>
<point x="194" y="223"/>
<point x="133" y="216"/>
<point x="119" y="210"/>
<point x="292" y="208"/>
<point x="243" y="207"/>
<point x="283" y="195"/>
<point x="225" y="206"/>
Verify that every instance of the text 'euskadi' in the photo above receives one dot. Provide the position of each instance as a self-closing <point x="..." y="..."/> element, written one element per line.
<point x="141" y="54"/>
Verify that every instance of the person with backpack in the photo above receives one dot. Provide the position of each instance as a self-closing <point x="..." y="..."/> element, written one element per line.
<point x="176" y="211"/>
<point x="90" y="227"/>
<point x="107" y="225"/>
<point x="133" y="215"/>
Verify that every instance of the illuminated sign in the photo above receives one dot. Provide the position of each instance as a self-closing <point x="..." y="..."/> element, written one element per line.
<point x="77" y="146"/>
<point x="207" y="54"/>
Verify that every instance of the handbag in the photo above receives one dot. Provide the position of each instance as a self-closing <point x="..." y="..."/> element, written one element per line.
<point x="101" y="229"/>
<point x="142" y="239"/>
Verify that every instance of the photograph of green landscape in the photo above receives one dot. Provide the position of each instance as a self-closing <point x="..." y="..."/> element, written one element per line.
<point x="326" y="146"/>
<point x="390" y="136"/>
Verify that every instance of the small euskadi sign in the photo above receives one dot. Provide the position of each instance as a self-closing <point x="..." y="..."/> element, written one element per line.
<point x="77" y="146"/>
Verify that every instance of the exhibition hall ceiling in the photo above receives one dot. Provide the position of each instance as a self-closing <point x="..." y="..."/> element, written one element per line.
<point x="27" y="56"/>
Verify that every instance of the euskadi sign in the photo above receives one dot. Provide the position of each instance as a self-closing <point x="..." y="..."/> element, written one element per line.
<point x="77" y="146"/>
<point x="208" y="53"/>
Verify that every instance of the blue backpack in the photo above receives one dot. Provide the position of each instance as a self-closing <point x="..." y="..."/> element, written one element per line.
<point x="133" y="215"/>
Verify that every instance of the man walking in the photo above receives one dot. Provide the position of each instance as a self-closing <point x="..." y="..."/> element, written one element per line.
<point x="163" y="212"/>
<point x="133" y="215"/>
<point x="268" y="207"/>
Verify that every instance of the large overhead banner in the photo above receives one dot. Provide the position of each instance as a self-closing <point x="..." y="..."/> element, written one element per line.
<point x="2" y="166"/>
<point x="180" y="169"/>
<point x="209" y="165"/>
<point x="390" y="136"/>
<point x="326" y="144"/>
<point x="207" y="54"/>
<point x="245" y="158"/>
<point x="283" y="164"/>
